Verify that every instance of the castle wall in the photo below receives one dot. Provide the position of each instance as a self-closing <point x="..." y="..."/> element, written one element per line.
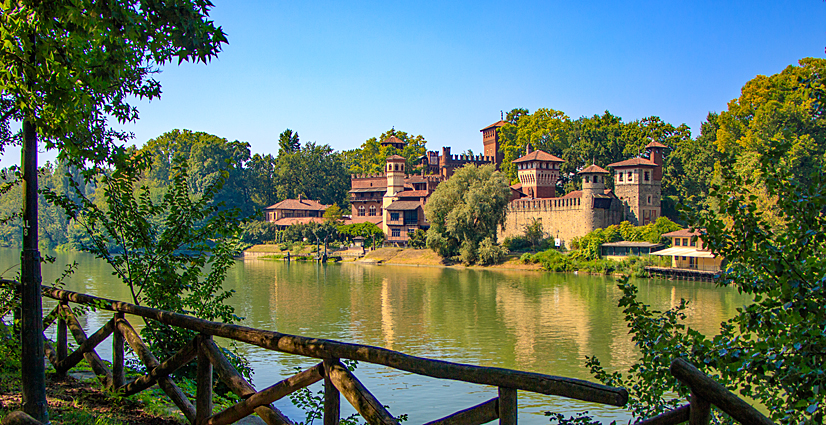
<point x="563" y="218"/>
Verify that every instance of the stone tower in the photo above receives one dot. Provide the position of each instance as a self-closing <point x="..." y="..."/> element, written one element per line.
<point x="490" y="139"/>
<point x="638" y="185"/>
<point x="395" y="184"/>
<point x="538" y="172"/>
<point x="594" y="201"/>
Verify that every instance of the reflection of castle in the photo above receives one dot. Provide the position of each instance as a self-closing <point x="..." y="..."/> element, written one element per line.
<point x="394" y="200"/>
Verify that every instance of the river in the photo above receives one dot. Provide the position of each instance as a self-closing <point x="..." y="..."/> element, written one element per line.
<point x="532" y="321"/>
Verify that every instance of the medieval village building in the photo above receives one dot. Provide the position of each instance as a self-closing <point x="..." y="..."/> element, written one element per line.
<point x="394" y="200"/>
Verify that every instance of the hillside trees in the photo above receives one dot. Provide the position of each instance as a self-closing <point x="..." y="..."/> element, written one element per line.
<point x="465" y="213"/>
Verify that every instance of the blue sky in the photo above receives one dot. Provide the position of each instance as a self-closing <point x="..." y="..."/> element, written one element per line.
<point x="341" y="73"/>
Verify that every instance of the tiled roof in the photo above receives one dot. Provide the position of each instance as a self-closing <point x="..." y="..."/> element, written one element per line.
<point x="655" y="145"/>
<point x="633" y="162"/>
<point x="594" y="169"/>
<point x="395" y="157"/>
<point x="412" y="194"/>
<point x="496" y="124"/>
<point x="538" y="155"/>
<point x="574" y="194"/>
<point x="369" y="189"/>
<point x="289" y="221"/>
<point x="295" y="204"/>
<point x="517" y="186"/>
<point x="403" y="205"/>
<point x="392" y="140"/>
<point x="683" y="233"/>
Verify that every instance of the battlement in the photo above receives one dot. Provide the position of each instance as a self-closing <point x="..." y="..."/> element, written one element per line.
<point x="367" y="176"/>
<point x="545" y="204"/>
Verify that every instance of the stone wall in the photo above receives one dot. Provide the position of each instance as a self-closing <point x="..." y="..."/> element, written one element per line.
<point x="565" y="218"/>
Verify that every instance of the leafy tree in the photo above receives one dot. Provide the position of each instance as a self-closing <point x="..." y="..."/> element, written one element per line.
<point x="465" y="210"/>
<point x="288" y="142"/>
<point x="765" y="217"/>
<point x="212" y="157"/>
<point x="262" y="177"/>
<point x="688" y="172"/>
<point x="533" y="232"/>
<point x="366" y="230"/>
<point x="316" y="172"/>
<point x="418" y="240"/>
<point x="172" y="254"/>
<point x="333" y="215"/>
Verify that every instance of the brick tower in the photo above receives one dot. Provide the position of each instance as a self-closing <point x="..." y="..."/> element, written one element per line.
<point x="490" y="139"/>
<point x="538" y="172"/>
<point x="638" y="184"/>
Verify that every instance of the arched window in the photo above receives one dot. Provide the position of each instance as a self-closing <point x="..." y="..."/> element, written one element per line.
<point x="361" y="210"/>
<point x="372" y="210"/>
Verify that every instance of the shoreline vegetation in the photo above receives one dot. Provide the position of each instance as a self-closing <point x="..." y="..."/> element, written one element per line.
<point x="541" y="261"/>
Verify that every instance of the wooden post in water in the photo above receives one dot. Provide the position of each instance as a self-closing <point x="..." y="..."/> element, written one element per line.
<point x="507" y="406"/>
<point x="117" y="355"/>
<point x="332" y="398"/>
<point x="203" y="398"/>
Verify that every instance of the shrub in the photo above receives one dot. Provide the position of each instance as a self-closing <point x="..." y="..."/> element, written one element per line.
<point x="490" y="252"/>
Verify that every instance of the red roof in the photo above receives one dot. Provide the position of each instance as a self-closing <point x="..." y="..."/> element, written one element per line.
<point x="289" y="221"/>
<point x="539" y="156"/>
<point x="574" y="194"/>
<point x="594" y="169"/>
<point x="633" y="162"/>
<point x="298" y="204"/>
<point x="655" y="145"/>
<point x="395" y="158"/>
<point x="496" y="124"/>
<point x="412" y="194"/>
<point x="683" y="233"/>
<point x="403" y="206"/>
<point x="392" y="140"/>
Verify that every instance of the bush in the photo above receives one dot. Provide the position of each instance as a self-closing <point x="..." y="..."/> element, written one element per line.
<point x="258" y="232"/>
<point x="490" y="252"/>
<point x="516" y="243"/>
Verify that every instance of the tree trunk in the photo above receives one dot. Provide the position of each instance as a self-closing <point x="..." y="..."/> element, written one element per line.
<point x="31" y="333"/>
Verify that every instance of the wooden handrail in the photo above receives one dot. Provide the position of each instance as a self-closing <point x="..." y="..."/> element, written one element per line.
<point x="708" y="389"/>
<point x="326" y="349"/>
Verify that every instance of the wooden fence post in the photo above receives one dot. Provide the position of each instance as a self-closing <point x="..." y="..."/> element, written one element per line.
<point x="62" y="337"/>
<point x="700" y="410"/>
<point x="507" y="406"/>
<point x="117" y="355"/>
<point x="332" y="398"/>
<point x="203" y="397"/>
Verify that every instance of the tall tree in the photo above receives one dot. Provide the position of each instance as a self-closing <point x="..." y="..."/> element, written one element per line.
<point x="466" y="211"/>
<point x="288" y="142"/>
<point x="67" y="66"/>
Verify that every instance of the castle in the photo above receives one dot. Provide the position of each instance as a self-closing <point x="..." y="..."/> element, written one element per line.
<point x="394" y="200"/>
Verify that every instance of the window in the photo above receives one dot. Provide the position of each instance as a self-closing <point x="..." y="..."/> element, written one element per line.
<point x="372" y="210"/>
<point x="685" y="241"/>
<point x="676" y="241"/>
<point x="649" y="196"/>
<point x="620" y="176"/>
<point x="587" y="179"/>
<point x="394" y="216"/>
<point x="647" y="177"/>
<point x="361" y="210"/>
<point x="693" y="241"/>
<point x="411" y="230"/>
<point x="395" y="233"/>
<point x="630" y="176"/>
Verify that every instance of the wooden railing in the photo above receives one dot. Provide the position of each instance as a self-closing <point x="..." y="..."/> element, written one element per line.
<point x="706" y="392"/>
<point x="338" y="380"/>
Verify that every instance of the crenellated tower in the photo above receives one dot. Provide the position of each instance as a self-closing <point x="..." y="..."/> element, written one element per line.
<point x="538" y="173"/>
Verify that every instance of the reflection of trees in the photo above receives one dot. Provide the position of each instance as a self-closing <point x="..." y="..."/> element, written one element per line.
<point x="532" y="321"/>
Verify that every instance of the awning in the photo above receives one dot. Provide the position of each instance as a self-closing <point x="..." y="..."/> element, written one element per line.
<point x="680" y="251"/>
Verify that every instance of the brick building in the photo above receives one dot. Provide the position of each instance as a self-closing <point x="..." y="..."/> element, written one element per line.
<point x="295" y="211"/>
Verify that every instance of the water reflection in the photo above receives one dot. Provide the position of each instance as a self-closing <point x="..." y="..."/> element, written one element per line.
<point x="541" y="322"/>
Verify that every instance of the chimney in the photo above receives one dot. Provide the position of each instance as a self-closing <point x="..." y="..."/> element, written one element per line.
<point x="299" y="198"/>
<point x="528" y="149"/>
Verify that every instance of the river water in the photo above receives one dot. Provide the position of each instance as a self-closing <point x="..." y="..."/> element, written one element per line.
<point x="531" y="321"/>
